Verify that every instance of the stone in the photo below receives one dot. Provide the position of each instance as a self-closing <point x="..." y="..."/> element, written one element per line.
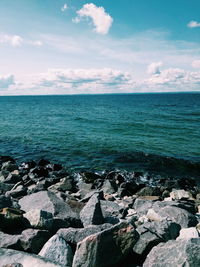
<point x="13" y="265"/>
<point x="5" y="202"/>
<point x="65" y="184"/>
<point x="180" y="194"/>
<point x="9" y="256"/>
<point x="143" y="204"/>
<point x="163" y="210"/>
<point x="9" y="166"/>
<point x="5" y="187"/>
<point x="12" y="178"/>
<point x="12" y="220"/>
<point x="57" y="250"/>
<point x="188" y="233"/>
<point x="109" y="187"/>
<point x="39" y="219"/>
<point x="92" y="213"/>
<point x="149" y="191"/>
<point x="49" y="202"/>
<point x="175" y="253"/>
<point x="75" y="235"/>
<point x="110" y="208"/>
<point x="106" y="248"/>
<point x="20" y="191"/>
<point x="153" y="233"/>
<point x="89" y="177"/>
<point x="32" y="240"/>
<point x="10" y="241"/>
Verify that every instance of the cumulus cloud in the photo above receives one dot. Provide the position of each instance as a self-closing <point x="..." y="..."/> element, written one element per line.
<point x="101" y="20"/>
<point x="154" y="68"/>
<point x="64" y="7"/>
<point x="196" y="64"/>
<point x="13" y="40"/>
<point x="193" y="24"/>
<point x="6" y="81"/>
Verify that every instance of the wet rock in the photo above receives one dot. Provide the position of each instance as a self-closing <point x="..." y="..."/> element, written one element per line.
<point x="175" y="253"/>
<point x="92" y="213"/>
<point x="188" y="233"/>
<point x="9" y="256"/>
<point x="40" y="172"/>
<point x="43" y="162"/>
<point x="12" y="178"/>
<point x="10" y="241"/>
<point x="5" y="202"/>
<point x="49" y="202"/>
<point x="117" y="242"/>
<point x="90" y="177"/>
<point x="5" y="187"/>
<point x="32" y="240"/>
<point x="20" y="191"/>
<point x="152" y="233"/>
<point x="75" y="235"/>
<point x="57" y="250"/>
<point x="39" y="219"/>
<point x="163" y="210"/>
<point x="9" y="166"/>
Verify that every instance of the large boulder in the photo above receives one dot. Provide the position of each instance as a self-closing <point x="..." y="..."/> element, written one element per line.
<point x="175" y="253"/>
<point x="163" y="210"/>
<point x="152" y="233"/>
<point x="39" y="219"/>
<point x="142" y="204"/>
<point x="91" y="213"/>
<point x="75" y="235"/>
<point x="5" y="202"/>
<point x="57" y="250"/>
<point x="180" y="194"/>
<point x="49" y="202"/>
<point x="9" y="256"/>
<point x="106" y="248"/>
<point x="188" y="233"/>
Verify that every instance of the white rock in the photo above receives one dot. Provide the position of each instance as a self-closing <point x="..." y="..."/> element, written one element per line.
<point x="57" y="250"/>
<point x="188" y="233"/>
<point x="153" y="216"/>
<point x="39" y="218"/>
<point x="179" y="194"/>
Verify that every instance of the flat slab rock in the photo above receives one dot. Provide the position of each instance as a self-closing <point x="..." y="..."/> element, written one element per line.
<point x="183" y="253"/>
<point x="9" y="256"/>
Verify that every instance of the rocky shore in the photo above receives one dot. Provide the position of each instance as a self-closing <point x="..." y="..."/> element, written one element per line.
<point x="51" y="217"/>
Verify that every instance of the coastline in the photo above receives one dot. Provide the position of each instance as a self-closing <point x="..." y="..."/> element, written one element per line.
<point x="52" y="217"/>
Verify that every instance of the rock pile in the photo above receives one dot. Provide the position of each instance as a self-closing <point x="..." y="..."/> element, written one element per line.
<point x="51" y="217"/>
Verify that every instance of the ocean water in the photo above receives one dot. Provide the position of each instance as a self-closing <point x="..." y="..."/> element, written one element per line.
<point x="127" y="131"/>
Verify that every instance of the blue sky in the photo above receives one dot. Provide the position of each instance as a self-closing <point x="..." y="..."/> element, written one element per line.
<point x="102" y="46"/>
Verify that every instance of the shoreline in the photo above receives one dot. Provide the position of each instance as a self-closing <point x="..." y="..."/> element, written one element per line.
<point x="52" y="217"/>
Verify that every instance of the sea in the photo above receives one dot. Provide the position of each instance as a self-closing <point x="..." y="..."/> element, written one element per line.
<point x="153" y="132"/>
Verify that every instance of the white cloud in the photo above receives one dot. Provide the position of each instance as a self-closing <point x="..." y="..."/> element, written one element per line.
<point x="13" y="40"/>
<point x="35" y="43"/>
<point x="154" y="68"/>
<point x="196" y="64"/>
<point x="102" y="21"/>
<point x="193" y="24"/>
<point x="6" y="81"/>
<point x="63" y="8"/>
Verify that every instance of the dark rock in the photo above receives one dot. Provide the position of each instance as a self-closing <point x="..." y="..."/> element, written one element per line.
<point x="33" y="240"/>
<point x="28" y="165"/>
<point x="92" y="213"/>
<point x="9" y="166"/>
<point x="90" y="177"/>
<point x="5" y="202"/>
<point x="10" y="241"/>
<point x="117" y="242"/>
<point x="6" y="159"/>
<point x="20" y="191"/>
<point x="43" y="162"/>
<point x="5" y="187"/>
<point x="12" y="178"/>
<point x="175" y="253"/>
<point x="149" y="191"/>
<point x="40" y="171"/>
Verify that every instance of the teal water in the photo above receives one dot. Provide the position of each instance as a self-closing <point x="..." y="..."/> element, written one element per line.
<point x="100" y="131"/>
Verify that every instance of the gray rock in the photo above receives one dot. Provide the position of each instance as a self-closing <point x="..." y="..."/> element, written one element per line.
<point x="9" y="256"/>
<point x="10" y="241"/>
<point x="49" y="202"/>
<point x="153" y="233"/>
<point x="110" y="208"/>
<point x="39" y="219"/>
<point x="106" y="248"/>
<point x="162" y="210"/>
<point x="65" y="184"/>
<point x="91" y="213"/>
<point x="57" y="250"/>
<point x="175" y="253"/>
<point x="75" y="235"/>
<point x="109" y="187"/>
<point x="149" y="191"/>
<point x="32" y="240"/>
<point x="142" y="204"/>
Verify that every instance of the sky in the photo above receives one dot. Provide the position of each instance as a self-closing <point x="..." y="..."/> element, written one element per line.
<point x="99" y="46"/>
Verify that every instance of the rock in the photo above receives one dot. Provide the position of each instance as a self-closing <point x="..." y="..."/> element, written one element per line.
<point x="57" y="250"/>
<point x="110" y="208"/>
<point x="40" y="171"/>
<point x="175" y="253"/>
<point x="10" y="241"/>
<point x="9" y="256"/>
<point x="106" y="248"/>
<point x="153" y="233"/>
<point x="49" y="202"/>
<point x="43" y="162"/>
<point x="5" y="187"/>
<point x="75" y="235"/>
<point x="90" y="177"/>
<point x="92" y="213"/>
<point x="65" y="184"/>
<point x="149" y="191"/>
<point x="188" y="233"/>
<point x="39" y="219"/>
<point x="90" y="194"/>
<point x="180" y="194"/>
<point x="12" y="220"/>
<point x="13" y="265"/>
<point x="163" y="210"/>
<point x="5" y="202"/>
<point x="128" y="188"/>
<point x="20" y="191"/>
<point x="9" y="166"/>
<point x="109" y="187"/>
<point x="32" y="240"/>
<point x="142" y="204"/>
